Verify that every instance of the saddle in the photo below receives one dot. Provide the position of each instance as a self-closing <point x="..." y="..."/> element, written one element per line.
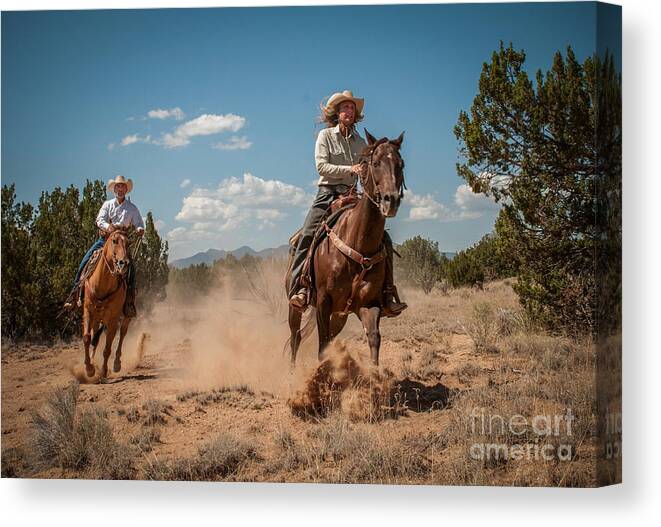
<point x="342" y="204"/>
<point x="337" y="208"/>
<point x="91" y="265"/>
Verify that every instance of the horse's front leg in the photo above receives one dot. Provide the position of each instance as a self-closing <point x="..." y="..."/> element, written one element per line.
<point x="110" y="336"/>
<point x="87" y="339"/>
<point x="295" y="317"/>
<point x="324" y="310"/>
<point x="370" y="317"/>
<point x="117" y="365"/>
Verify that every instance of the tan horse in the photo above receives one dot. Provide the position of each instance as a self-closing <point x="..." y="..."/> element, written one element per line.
<point x="350" y="263"/>
<point x="105" y="293"/>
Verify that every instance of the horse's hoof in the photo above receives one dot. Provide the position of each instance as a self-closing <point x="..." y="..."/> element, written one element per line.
<point x="117" y="366"/>
<point x="104" y="372"/>
<point x="90" y="370"/>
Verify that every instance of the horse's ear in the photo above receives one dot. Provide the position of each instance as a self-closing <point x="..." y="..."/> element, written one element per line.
<point x="370" y="138"/>
<point x="398" y="142"/>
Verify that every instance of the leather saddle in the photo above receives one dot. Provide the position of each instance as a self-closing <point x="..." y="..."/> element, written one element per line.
<point x="337" y="208"/>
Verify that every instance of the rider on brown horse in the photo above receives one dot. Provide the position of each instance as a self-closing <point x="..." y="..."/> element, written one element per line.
<point x="337" y="151"/>
<point x="114" y="213"/>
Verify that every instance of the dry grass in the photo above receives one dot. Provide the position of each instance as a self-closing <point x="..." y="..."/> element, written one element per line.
<point x="221" y="459"/>
<point x="338" y="451"/>
<point x="78" y="441"/>
<point x="459" y="354"/>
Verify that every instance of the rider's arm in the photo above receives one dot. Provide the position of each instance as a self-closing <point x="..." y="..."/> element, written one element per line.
<point x="136" y="219"/>
<point x="327" y="170"/>
<point x="103" y="218"/>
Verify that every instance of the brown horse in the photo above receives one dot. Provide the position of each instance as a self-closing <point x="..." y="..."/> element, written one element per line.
<point x="105" y="293"/>
<point x="349" y="264"/>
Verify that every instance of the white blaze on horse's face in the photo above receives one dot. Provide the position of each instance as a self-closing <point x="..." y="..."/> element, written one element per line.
<point x="120" y="253"/>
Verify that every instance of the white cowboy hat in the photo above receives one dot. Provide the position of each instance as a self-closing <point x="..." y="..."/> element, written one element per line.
<point x="340" y="97"/>
<point x="120" y="179"/>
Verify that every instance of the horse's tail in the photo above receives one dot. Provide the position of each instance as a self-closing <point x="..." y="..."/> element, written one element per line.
<point x="97" y="335"/>
<point x="305" y="331"/>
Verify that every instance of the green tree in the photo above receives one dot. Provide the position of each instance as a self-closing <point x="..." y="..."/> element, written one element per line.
<point x="420" y="264"/>
<point x="57" y="245"/>
<point x="17" y="265"/>
<point x="532" y="146"/>
<point x="151" y="267"/>
<point x="94" y="194"/>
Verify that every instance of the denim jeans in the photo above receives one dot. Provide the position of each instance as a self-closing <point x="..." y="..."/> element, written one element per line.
<point x="325" y="196"/>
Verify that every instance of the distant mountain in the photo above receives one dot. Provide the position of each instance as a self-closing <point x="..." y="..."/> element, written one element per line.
<point x="211" y="255"/>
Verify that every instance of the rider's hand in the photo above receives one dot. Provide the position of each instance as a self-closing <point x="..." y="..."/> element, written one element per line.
<point x="358" y="169"/>
<point x="140" y="231"/>
<point x="111" y="228"/>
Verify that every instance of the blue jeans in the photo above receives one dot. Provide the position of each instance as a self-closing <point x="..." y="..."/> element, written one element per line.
<point x="98" y="244"/>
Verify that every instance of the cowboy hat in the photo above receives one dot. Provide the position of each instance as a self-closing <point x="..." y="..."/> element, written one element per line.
<point x="340" y="97"/>
<point x="120" y="179"/>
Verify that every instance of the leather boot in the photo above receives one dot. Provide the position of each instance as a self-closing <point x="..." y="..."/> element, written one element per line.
<point x="129" y="304"/>
<point x="76" y="299"/>
<point x="392" y="306"/>
<point x="300" y="299"/>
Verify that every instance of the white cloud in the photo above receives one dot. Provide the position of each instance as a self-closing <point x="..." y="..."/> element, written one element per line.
<point x="250" y="201"/>
<point x="235" y="143"/>
<point x="177" y="233"/>
<point x="130" y="140"/>
<point x="159" y="113"/>
<point x="472" y="205"/>
<point x="206" y="124"/>
<point x="159" y="224"/>
<point x="466" y="206"/>
<point x="425" y="207"/>
<point x="184" y="183"/>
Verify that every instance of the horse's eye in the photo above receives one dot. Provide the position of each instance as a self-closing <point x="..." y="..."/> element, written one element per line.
<point x="115" y="242"/>
<point x="377" y="164"/>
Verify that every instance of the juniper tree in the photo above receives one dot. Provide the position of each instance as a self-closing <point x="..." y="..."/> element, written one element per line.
<point x="535" y="146"/>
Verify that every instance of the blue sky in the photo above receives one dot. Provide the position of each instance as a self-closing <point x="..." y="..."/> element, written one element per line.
<point x="212" y="112"/>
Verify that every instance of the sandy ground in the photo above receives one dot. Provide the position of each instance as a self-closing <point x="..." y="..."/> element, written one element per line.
<point x="230" y="348"/>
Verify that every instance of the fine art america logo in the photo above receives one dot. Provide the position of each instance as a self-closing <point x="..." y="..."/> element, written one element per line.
<point x="530" y="438"/>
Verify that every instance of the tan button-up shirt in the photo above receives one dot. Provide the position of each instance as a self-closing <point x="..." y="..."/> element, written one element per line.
<point x="334" y="155"/>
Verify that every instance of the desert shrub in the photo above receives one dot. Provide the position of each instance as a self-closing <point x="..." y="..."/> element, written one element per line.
<point x="84" y="442"/>
<point x="420" y="264"/>
<point x="156" y="412"/>
<point x="15" y="463"/>
<point x="221" y="459"/>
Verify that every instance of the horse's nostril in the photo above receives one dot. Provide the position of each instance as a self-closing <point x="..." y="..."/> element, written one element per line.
<point x="386" y="198"/>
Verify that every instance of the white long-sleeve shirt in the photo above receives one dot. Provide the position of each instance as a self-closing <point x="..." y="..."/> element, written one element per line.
<point x="119" y="214"/>
<point x="334" y="155"/>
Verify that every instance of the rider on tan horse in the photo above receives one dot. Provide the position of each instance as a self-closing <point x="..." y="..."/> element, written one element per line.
<point x="114" y="213"/>
<point x="337" y="151"/>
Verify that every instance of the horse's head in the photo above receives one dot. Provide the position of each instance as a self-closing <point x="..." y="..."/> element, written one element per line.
<point x="116" y="250"/>
<point x="383" y="182"/>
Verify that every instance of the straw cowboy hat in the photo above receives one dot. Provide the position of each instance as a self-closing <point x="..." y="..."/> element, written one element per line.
<point x="120" y="179"/>
<point x="340" y="97"/>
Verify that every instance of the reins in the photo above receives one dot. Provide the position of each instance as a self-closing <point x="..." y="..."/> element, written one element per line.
<point x="121" y="279"/>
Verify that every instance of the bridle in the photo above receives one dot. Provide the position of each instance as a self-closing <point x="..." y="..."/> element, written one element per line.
<point x="376" y="199"/>
<point x="114" y="270"/>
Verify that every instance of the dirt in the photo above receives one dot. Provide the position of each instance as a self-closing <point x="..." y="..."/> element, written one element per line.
<point x="218" y="366"/>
